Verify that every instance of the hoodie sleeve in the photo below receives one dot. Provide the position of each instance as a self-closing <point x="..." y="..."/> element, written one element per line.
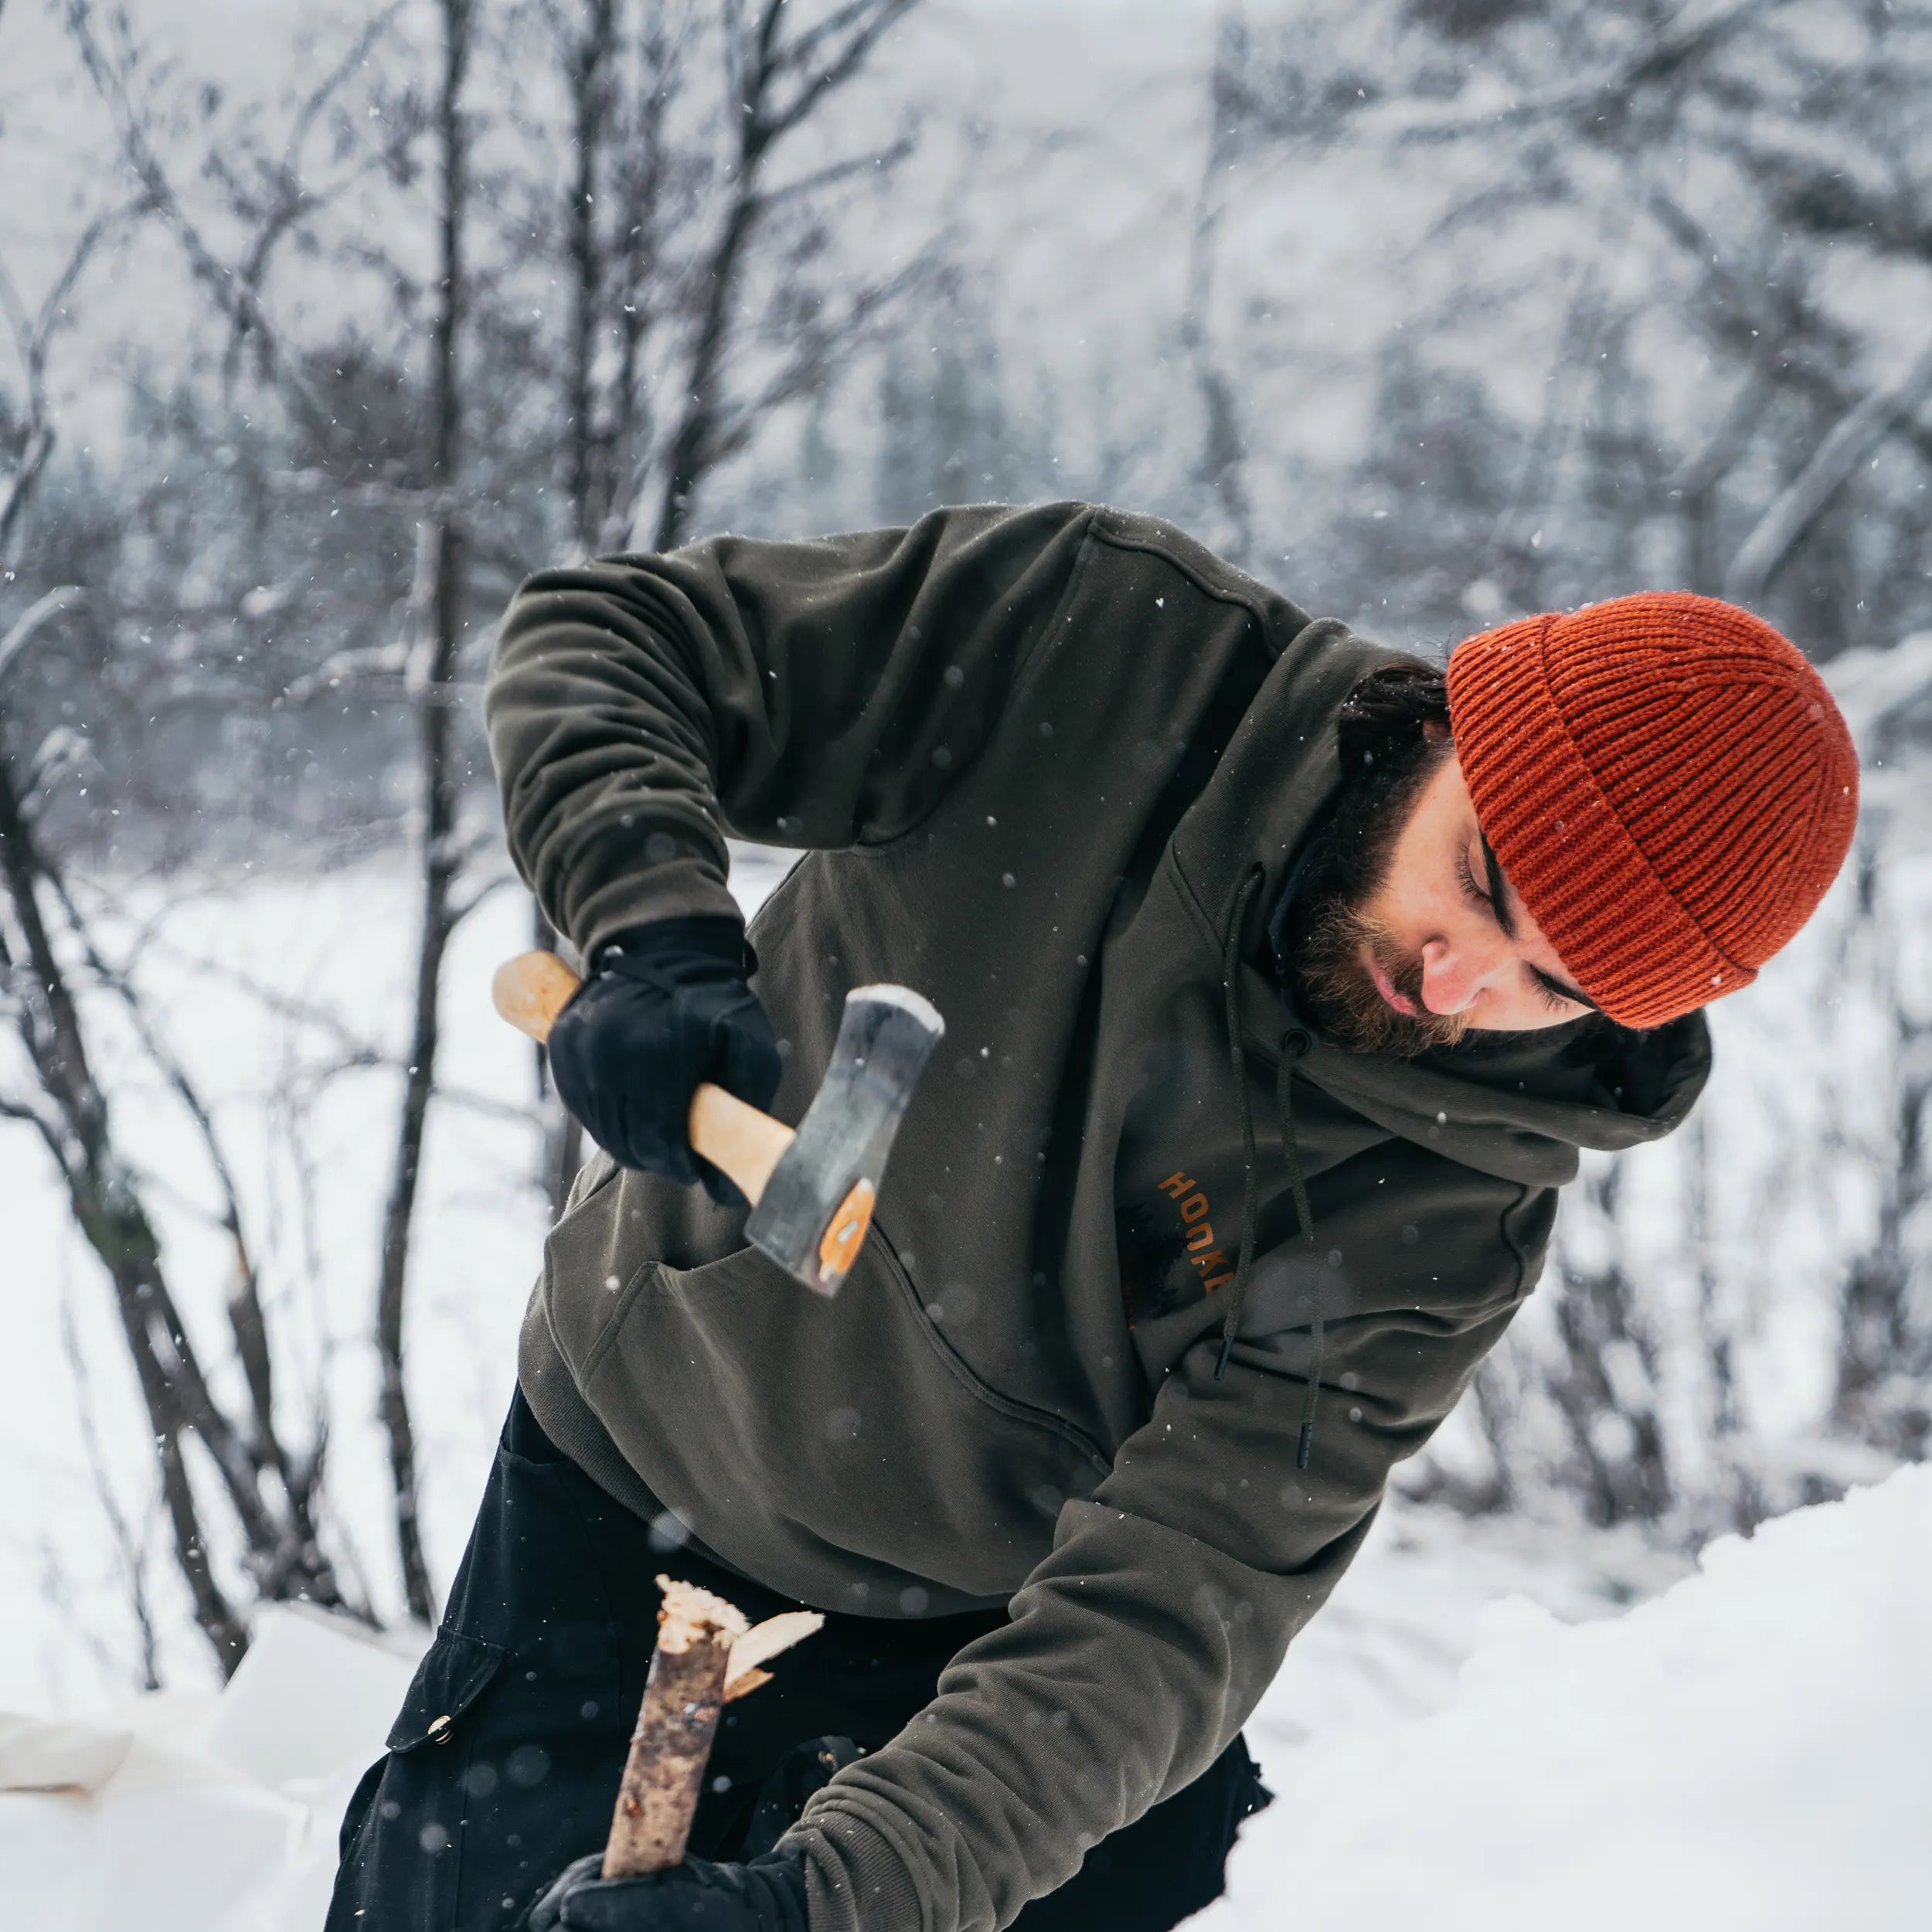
<point x="1138" y="1648"/>
<point x="820" y="694"/>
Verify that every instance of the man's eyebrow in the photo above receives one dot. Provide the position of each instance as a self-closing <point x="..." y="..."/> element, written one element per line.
<point x="1499" y="898"/>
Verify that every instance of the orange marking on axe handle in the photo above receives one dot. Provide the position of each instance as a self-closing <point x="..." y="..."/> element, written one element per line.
<point x="845" y="1232"/>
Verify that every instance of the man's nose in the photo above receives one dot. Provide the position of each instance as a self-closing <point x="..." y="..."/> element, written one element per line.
<point x="1453" y="973"/>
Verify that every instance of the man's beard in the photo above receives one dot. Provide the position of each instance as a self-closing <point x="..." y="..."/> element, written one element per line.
<point x="1341" y="996"/>
<point x="1330" y="925"/>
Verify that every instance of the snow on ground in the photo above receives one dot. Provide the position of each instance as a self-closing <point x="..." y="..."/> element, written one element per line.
<point x="217" y="1813"/>
<point x="1745" y="1753"/>
<point x="1742" y="1754"/>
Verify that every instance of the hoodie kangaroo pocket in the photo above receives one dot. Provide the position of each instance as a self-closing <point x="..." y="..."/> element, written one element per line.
<point x="811" y="1441"/>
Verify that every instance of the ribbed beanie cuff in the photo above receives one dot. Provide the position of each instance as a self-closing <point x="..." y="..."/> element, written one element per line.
<point x="1666" y="782"/>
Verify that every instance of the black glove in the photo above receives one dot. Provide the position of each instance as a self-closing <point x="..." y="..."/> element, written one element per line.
<point x="767" y="1895"/>
<point x="665" y="1007"/>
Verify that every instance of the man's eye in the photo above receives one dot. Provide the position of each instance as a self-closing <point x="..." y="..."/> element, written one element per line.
<point x="1557" y="1002"/>
<point x="1471" y="891"/>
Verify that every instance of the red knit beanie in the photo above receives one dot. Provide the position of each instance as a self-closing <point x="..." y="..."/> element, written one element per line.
<point x="1666" y="782"/>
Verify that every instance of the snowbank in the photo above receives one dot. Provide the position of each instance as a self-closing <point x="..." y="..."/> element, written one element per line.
<point x="1748" y="1753"/>
<point x="199" y="1814"/>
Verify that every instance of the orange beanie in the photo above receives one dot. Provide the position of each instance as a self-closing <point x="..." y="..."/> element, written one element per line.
<point x="1665" y="781"/>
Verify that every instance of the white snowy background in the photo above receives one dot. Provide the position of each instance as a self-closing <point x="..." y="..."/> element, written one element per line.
<point x="1666" y="287"/>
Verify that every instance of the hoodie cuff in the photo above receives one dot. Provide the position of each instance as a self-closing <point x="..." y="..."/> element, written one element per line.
<point x="855" y="1881"/>
<point x="619" y="880"/>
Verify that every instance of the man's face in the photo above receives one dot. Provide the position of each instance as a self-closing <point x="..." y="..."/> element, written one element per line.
<point x="1435" y="943"/>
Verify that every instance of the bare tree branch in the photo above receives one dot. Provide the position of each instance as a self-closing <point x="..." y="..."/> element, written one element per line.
<point x="25" y="1111"/>
<point x="864" y="22"/>
<point x="232" y="296"/>
<point x="438" y="606"/>
<point x="107" y="1204"/>
<point x="131" y="1550"/>
<point x="819" y="62"/>
<point x="833" y="172"/>
<point x="19" y="486"/>
<point x="36" y="617"/>
<point x="32" y="337"/>
<point x="247" y="1317"/>
<point x="364" y="668"/>
<point x="1832" y="465"/>
<point x="1583" y="102"/>
<point x="292" y="200"/>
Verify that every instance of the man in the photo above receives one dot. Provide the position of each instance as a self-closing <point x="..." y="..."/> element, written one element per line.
<point x="1283" y="977"/>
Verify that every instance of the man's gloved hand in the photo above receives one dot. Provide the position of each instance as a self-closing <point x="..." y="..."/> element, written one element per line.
<point x="767" y="1895"/>
<point x="663" y="1007"/>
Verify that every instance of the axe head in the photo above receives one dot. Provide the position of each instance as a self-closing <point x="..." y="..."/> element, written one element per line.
<point x="813" y="1214"/>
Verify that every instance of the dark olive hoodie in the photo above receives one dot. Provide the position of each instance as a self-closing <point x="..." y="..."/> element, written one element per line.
<point x="1051" y="767"/>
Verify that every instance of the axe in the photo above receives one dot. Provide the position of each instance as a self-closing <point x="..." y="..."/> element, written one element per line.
<point x="812" y="1190"/>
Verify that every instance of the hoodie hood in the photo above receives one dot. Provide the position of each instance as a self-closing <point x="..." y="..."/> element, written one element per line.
<point x="1519" y="1106"/>
<point x="1515" y="1106"/>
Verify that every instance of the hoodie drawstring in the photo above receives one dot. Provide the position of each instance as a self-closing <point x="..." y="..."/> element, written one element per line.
<point x="1230" y="979"/>
<point x="1295" y="1043"/>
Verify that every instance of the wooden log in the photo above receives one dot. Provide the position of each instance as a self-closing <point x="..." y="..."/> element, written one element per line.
<point x="706" y="1655"/>
<point x="664" y="1773"/>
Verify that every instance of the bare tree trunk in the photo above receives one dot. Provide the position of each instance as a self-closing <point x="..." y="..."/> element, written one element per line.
<point x="440" y="621"/>
<point x="1223" y="448"/>
<point x="33" y="460"/>
<point x="1884" y="1335"/>
<point x="436" y="922"/>
<point x="588" y="76"/>
<point x="1695" y="488"/>
<point x="589" y="447"/>
<point x="689" y="454"/>
<point x="641" y="170"/>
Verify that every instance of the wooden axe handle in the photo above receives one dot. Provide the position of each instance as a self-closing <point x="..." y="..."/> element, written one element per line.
<point x="530" y="991"/>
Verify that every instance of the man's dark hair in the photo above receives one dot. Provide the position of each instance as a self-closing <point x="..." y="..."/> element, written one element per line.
<point x="1384" y="719"/>
<point x="1382" y="731"/>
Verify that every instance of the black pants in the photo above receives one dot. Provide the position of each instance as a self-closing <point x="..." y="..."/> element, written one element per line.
<point x="503" y="1764"/>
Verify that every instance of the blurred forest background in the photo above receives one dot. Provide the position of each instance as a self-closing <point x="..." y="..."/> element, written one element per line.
<point x="320" y="327"/>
